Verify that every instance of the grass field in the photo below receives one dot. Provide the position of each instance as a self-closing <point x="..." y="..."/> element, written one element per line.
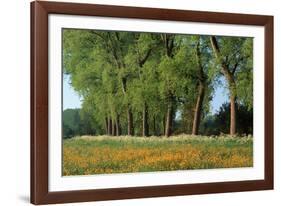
<point x="103" y="154"/>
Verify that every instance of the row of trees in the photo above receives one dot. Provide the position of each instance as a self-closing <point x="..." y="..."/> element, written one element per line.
<point x="76" y="122"/>
<point x="141" y="83"/>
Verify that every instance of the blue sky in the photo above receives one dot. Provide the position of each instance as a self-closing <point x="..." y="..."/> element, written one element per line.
<point x="72" y="100"/>
<point x="220" y="97"/>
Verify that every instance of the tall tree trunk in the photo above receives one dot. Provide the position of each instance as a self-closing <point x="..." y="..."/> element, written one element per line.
<point x="118" y="130"/>
<point x="113" y="128"/>
<point x="109" y="126"/>
<point x="154" y="126"/>
<point x="201" y="91"/>
<point x="233" y="97"/>
<point x="129" y="110"/>
<point x="106" y="125"/>
<point x="169" y="120"/>
<point x="198" y="109"/>
<point x="231" y="85"/>
<point x="169" y="41"/>
<point x="130" y="121"/>
<point x="145" y="126"/>
<point x="164" y="124"/>
<point x="232" y="114"/>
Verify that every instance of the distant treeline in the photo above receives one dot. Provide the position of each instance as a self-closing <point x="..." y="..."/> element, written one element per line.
<point x="77" y="123"/>
<point x="158" y="84"/>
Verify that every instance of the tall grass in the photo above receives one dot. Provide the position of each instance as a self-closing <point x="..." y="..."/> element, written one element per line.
<point x="104" y="154"/>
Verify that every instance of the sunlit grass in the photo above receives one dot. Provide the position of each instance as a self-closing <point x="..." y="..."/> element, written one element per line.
<point x="103" y="154"/>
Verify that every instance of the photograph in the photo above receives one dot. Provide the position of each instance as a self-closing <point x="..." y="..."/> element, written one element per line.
<point x="131" y="102"/>
<point x="150" y="102"/>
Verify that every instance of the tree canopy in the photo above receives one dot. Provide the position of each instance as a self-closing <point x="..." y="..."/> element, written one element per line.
<point x="155" y="84"/>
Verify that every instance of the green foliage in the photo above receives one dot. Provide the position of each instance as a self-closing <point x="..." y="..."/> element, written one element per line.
<point x="71" y="120"/>
<point x="219" y="123"/>
<point x="245" y="75"/>
<point x="237" y="54"/>
<point x="115" y="72"/>
<point x="76" y="122"/>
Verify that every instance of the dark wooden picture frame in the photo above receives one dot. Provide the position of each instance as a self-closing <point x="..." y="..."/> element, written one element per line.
<point x="39" y="102"/>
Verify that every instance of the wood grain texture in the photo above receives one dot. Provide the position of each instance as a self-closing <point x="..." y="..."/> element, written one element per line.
<point x="39" y="102"/>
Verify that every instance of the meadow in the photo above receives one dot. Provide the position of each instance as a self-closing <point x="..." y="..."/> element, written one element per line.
<point x="88" y="155"/>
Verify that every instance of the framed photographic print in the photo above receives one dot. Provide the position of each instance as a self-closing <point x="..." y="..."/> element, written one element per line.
<point x="131" y="102"/>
